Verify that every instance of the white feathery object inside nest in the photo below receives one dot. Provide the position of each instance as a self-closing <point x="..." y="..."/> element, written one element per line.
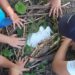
<point x="39" y="36"/>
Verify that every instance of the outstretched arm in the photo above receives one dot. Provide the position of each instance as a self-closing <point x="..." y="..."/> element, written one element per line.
<point x="61" y="53"/>
<point x="13" y="41"/>
<point x="7" y="7"/>
<point x="6" y="63"/>
<point x="59" y="63"/>
<point x="15" y="69"/>
<point x="15" y="18"/>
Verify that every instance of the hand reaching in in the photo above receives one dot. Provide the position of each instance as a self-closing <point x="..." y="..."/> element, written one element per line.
<point x="55" y="8"/>
<point x="16" y="42"/>
<point x="21" y="63"/>
<point x="17" y="21"/>
<point x="18" y="69"/>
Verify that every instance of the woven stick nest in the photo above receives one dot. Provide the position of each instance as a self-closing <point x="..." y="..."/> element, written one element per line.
<point x="44" y="50"/>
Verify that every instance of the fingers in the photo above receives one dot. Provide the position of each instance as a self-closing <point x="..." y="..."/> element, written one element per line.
<point x="20" y="59"/>
<point x="61" y="13"/>
<point x="50" y="11"/>
<point x="55" y="12"/>
<point x="20" y="44"/>
<point x="23" y="59"/>
<point x="14" y="26"/>
<point x="63" y="39"/>
<point x="14" y="35"/>
<point x="22" y="39"/>
<point x="24" y="63"/>
<point x="26" y="69"/>
<point x="23" y="20"/>
<point x="19" y="23"/>
<point x="19" y="47"/>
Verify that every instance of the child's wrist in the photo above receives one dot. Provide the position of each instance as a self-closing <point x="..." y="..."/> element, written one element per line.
<point x="11" y="11"/>
<point x="16" y="70"/>
<point x="4" y="38"/>
<point x="67" y="42"/>
<point x="7" y="40"/>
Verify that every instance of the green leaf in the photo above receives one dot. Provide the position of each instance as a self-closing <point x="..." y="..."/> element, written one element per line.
<point x="28" y="50"/>
<point x="6" y="52"/>
<point x="19" y="32"/>
<point x="29" y="73"/>
<point x="20" y="7"/>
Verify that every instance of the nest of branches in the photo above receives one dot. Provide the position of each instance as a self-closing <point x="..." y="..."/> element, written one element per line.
<point x="35" y="16"/>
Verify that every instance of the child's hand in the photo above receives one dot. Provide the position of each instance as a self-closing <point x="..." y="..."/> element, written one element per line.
<point x="16" y="42"/>
<point x="21" y="63"/>
<point x="66" y="40"/>
<point x="17" y="21"/>
<point x="55" y="8"/>
<point x="8" y="9"/>
<point x="20" y="66"/>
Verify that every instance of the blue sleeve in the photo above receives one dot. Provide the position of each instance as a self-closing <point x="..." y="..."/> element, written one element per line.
<point x="5" y="22"/>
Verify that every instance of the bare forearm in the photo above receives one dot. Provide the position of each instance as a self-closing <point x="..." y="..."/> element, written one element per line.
<point x="6" y="63"/>
<point x="6" y="6"/>
<point x="4" y="38"/>
<point x="60" y="55"/>
<point x="14" y="72"/>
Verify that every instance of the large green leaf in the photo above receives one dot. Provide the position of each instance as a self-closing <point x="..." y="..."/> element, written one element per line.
<point x="20" y="7"/>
